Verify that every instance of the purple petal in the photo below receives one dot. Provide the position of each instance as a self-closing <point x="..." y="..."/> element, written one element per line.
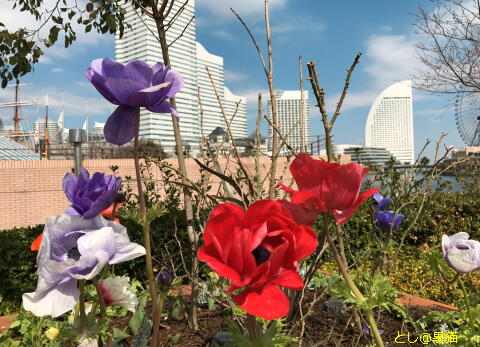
<point x="164" y="107"/>
<point x="138" y="70"/>
<point x="99" y="82"/>
<point x="101" y="203"/>
<point x="176" y="82"/>
<point x="120" y="126"/>
<point x="125" y="90"/>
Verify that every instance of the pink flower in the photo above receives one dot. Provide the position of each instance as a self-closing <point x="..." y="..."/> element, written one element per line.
<point x="116" y="291"/>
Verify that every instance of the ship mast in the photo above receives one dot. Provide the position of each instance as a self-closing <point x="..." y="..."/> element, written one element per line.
<point x="46" y="139"/>
<point x="17" y="134"/>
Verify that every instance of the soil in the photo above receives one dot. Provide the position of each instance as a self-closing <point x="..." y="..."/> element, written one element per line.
<point x="322" y="328"/>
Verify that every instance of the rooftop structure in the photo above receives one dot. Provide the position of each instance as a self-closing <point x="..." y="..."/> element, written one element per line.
<point x="12" y="150"/>
<point x="369" y="156"/>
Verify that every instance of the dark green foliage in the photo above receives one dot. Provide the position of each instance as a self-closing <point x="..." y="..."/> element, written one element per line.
<point x="17" y="266"/>
<point x="20" y="50"/>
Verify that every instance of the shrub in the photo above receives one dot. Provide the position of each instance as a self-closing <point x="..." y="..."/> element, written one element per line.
<point x="17" y="266"/>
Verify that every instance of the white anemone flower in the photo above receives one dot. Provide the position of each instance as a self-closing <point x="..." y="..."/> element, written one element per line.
<point x="116" y="291"/>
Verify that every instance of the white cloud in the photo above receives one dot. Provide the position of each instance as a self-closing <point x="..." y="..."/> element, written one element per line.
<point x="389" y="59"/>
<point x="57" y="70"/>
<point x="352" y="100"/>
<point x="221" y="8"/>
<point x="295" y="25"/>
<point x="74" y="104"/>
<point x="234" y="76"/>
<point x="251" y="94"/>
<point x="223" y="34"/>
<point x="392" y="58"/>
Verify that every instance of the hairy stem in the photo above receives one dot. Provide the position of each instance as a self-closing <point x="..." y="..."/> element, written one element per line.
<point x="252" y="327"/>
<point x="146" y="232"/>
<point x="159" y="18"/>
<point x="81" y="301"/>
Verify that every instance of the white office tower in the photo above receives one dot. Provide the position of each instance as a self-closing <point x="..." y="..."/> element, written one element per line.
<point x="212" y="115"/>
<point x="390" y="122"/>
<point x="289" y="119"/>
<point x="236" y="106"/>
<point x="190" y="59"/>
<point x="140" y="43"/>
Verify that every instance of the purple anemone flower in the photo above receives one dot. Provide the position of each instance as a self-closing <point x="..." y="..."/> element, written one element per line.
<point x="380" y="202"/>
<point x="366" y="330"/>
<point x="89" y="196"/>
<point x="131" y="86"/>
<point x="462" y="254"/>
<point x="74" y="248"/>
<point x="383" y="219"/>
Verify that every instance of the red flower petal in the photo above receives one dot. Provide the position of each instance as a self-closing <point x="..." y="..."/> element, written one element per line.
<point x="267" y="302"/>
<point x="107" y="213"/>
<point x="289" y="279"/>
<point x="306" y="242"/>
<point x="342" y="216"/>
<point x="35" y="246"/>
<point x="217" y="266"/>
<point x="309" y="173"/>
<point x="342" y="186"/>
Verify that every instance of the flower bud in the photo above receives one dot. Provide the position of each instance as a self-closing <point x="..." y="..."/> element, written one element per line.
<point x="165" y="277"/>
<point x="52" y="333"/>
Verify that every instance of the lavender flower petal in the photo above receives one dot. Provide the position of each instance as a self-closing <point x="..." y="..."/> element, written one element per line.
<point x="75" y="248"/>
<point x="120" y="126"/>
<point x="462" y="254"/>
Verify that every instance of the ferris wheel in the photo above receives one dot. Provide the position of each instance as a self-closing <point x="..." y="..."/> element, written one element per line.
<point x="467" y="117"/>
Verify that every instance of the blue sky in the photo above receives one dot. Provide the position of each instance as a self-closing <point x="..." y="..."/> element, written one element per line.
<point x="327" y="32"/>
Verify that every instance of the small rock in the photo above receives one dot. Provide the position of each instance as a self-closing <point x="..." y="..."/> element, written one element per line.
<point x="221" y="338"/>
<point x="334" y="305"/>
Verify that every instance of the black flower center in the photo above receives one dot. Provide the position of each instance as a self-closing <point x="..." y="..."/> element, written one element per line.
<point x="74" y="254"/>
<point x="261" y="255"/>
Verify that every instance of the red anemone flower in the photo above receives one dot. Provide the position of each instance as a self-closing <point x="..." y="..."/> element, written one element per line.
<point x="35" y="246"/>
<point x="336" y="187"/>
<point x="258" y="250"/>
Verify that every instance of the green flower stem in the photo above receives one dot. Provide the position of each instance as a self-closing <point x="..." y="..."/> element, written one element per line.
<point x="467" y="301"/>
<point x="252" y="327"/>
<point x="348" y="279"/>
<point x="83" y="316"/>
<point x="101" y="301"/>
<point x="146" y="236"/>
<point x="103" y="310"/>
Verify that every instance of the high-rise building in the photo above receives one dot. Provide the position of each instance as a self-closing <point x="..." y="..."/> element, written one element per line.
<point x="236" y="106"/>
<point x="390" y="122"/>
<point x="289" y="119"/>
<point x="55" y="129"/>
<point x="187" y="57"/>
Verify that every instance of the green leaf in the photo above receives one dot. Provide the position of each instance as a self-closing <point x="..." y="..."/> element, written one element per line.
<point x="53" y="35"/>
<point x="175" y="338"/>
<point x="88" y="28"/>
<point x="119" y="335"/>
<point x="57" y="20"/>
<point x="136" y="321"/>
<point x="71" y="14"/>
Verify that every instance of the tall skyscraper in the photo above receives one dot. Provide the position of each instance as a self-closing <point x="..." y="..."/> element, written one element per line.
<point x="289" y="119"/>
<point x="236" y="106"/>
<point x="390" y="122"/>
<point x="187" y="57"/>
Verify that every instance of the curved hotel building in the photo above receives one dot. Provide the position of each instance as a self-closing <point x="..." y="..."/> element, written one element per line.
<point x="390" y="122"/>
